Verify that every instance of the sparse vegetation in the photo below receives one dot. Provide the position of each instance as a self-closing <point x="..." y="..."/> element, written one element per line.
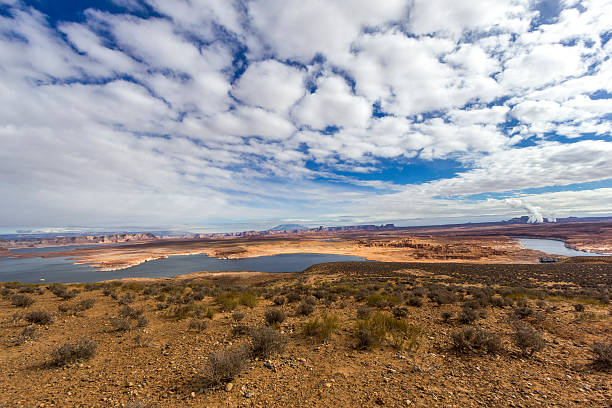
<point x="224" y="365"/>
<point x="21" y="300"/>
<point x="275" y="316"/>
<point x="322" y="327"/>
<point x="471" y="339"/>
<point x="527" y="339"/>
<point x="84" y="349"/>
<point x="602" y="355"/>
<point x="39" y="317"/>
<point x="266" y="341"/>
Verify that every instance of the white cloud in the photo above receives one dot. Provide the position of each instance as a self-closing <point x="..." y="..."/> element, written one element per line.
<point x="118" y="114"/>
<point x="271" y="85"/>
<point x="333" y="104"/>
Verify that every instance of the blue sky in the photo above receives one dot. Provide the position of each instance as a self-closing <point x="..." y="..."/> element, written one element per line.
<point x="224" y="114"/>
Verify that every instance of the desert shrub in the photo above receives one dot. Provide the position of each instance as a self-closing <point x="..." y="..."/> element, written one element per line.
<point x="310" y="300"/>
<point x="274" y="316"/>
<point x="446" y="316"/>
<point x="130" y="312"/>
<point x="240" y="330"/>
<point x="121" y="324"/>
<point x="224" y="365"/>
<point x="527" y="339"/>
<point x="442" y="296"/>
<point x="27" y="289"/>
<point x="198" y="325"/>
<point x="266" y="341"/>
<point x="90" y="287"/>
<point x="363" y="312"/>
<point x="293" y="297"/>
<point x="279" y="300"/>
<point x="305" y="309"/>
<point x="248" y="299"/>
<point x="142" y="322"/>
<point x="39" y="317"/>
<point x="419" y="291"/>
<point x="579" y="307"/>
<point x="415" y="301"/>
<point x="238" y="316"/>
<point x="399" y="312"/>
<point x="470" y="339"/>
<point x="522" y="310"/>
<point x="381" y="300"/>
<point x="498" y="301"/>
<point x="84" y="349"/>
<point x="21" y="300"/>
<point x="127" y="299"/>
<point x="63" y="292"/>
<point x="86" y="304"/>
<point x="108" y="291"/>
<point x="542" y="304"/>
<point x="28" y="333"/>
<point x="602" y="355"/>
<point x="468" y="315"/>
<point x="227" y="301"/>
<point x="143" y="340"/>
<point x="365" y="336"/>
<point x="322" y="328"/>
<point x="380" y="326"/>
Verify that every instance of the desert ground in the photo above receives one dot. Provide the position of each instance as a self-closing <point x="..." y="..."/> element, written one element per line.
<point x="337" y="335"/>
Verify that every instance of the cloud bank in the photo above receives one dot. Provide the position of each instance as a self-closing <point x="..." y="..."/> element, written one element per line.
<point x="193" y="112"/>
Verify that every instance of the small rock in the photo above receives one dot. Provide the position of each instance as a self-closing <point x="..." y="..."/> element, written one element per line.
<point x="193" y="394"/>
<point x="248" y="394"/>
<point x="268" y="364"/>
<point x="229" y="386"/>
<point x="328" y="384"/>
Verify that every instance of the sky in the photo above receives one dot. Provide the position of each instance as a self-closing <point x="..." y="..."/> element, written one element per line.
<point x="232" y="115"/>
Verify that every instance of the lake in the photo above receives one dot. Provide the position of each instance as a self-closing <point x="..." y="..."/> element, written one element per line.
<point x="64" y="271"/>
<point x="553" y="247"/>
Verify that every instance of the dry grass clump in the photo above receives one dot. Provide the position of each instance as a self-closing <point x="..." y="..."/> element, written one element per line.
<point x="527" y="339"/>
<point x="266" y="341"/>
<point x="21" y="300"/>
<point x="380" y="327"/>
<point x="198" y="325"/>
<point x="381" y="300"/>
<point x="322" y="328"/>
<point x="68" y="353"/>
<point x="39" y="317"/>
<point x="468" y="315"/>
<point x="62" y="291"/>
<point x="121" y="324"/>
<point x="471" y="339"/>
<point x="305" y="308"/>
<point x="27" y="334"/>
<point x="275" y="316"/>
<point x="602" y="355"/>
<point x="224" y="365"/>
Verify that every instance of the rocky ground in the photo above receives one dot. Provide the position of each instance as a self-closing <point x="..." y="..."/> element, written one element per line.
<point x="163" y="359"/>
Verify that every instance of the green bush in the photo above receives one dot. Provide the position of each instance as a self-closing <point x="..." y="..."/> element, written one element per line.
<point x="322" y="328"/>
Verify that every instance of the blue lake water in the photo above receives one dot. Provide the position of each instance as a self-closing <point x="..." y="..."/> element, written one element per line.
<point x="553" y="247"/>
<point x="63" y="270"/>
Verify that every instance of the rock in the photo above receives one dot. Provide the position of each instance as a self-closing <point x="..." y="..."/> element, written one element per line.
<point x="229" y="386"/>
<point x="268" y="364"/>
<point x="193" y="394"/>
<point x="328" y="384"/>
<point x="248" y="394"/>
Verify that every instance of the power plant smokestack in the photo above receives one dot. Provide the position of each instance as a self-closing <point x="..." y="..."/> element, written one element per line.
<point x="535" y="212"/>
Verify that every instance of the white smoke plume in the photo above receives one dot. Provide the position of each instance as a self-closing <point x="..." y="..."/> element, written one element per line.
<point x="535" y="212"/>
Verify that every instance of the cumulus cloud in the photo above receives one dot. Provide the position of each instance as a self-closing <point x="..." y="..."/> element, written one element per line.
<point x="194" y="110"/>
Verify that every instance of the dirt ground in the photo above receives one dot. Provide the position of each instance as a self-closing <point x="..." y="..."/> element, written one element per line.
<point x="166" y="369"/>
